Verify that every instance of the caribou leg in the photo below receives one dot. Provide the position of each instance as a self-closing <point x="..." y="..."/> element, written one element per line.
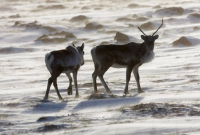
<point x="128" y="77"/>
<point x="56" y="87"/>
<point x="75" y="82"/>
<point x="94" y="77"/>
<point x="69" y="89"/>
<point x="53" y="77"/>
<point x="100" y="75"/>
<point x="137" y="77"/>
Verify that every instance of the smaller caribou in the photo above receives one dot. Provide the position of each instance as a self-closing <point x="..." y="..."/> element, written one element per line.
<point x="130" y="56"/>
<point x="65" y="61"/>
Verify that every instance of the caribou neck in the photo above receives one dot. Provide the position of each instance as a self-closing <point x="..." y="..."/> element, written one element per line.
<point x="146" y="55"/>
<point x="143" y="49"/>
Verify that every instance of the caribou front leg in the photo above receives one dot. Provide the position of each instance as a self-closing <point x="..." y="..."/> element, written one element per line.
<point x="137" y="77"/>
<point x="128" y="77"/>
<point x="69" y="89"/>
<point x="75" y="83"/>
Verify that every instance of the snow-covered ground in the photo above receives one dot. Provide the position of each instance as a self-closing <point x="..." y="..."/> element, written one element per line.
<point x="31" y="28"/>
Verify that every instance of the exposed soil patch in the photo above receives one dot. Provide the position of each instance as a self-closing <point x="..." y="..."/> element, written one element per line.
<point x="158" y="6"/>
<point x="194" y="15"/>
<point x="12" y="104"/>
<point x="105" y="43"/>
<point x="141" y="19"/>
<point x="147" y="26"/>
<point x="34" y="25"/>
<point x="50" y="118"/>
<point x="14" y="16"/>
<point x="45" y="39"/>
<point x="51" y="1"/>
<point x="63" y="33"/>
<point x="171" y="11"/>
<point x="6" y="124"/>
<point x="133" y="5"/>
<point x="182" y="41"/>
<point x="101" y="96"/>
<point x="107" y="31"/>
<point x="196" y="28"/>
<point x="58" y="37"/>
<point x="50" y="127"/>
<point x="93" y="26"/>
<point x="124" y="19"/>
<point x="162" y="110"/>
<point x="85" y="8"/>
<point x="11" y="50"/>
<point x="51" y="7"/>
<point x="90" y="84"/>
<point x="158" y="81"/>
<point x="121" y="37"/>
<point x="78" y="18"/>
<point x="135" y="16"/>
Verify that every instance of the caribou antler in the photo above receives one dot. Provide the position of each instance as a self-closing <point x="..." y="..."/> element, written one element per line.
<point x="158" y="28"/>
<point x="142" y="31"/>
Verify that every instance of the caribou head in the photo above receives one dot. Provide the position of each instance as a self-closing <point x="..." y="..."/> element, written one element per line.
<point x="81" y="52"/>
<point x="150" y="39"/>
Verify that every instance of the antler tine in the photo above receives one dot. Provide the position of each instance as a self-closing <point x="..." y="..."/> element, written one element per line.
<point x="142" y="31"/>
<point x="158" y="28"/>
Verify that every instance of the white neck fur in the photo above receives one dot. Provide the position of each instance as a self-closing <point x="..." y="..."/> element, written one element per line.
<point x="148" y="57"/>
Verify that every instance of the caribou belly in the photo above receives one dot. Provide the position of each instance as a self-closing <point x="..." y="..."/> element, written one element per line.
<point x="115" y="65"/>
<point x="69" y="69"/>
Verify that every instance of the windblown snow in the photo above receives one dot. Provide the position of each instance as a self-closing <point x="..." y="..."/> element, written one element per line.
<point x="170" y="103"/>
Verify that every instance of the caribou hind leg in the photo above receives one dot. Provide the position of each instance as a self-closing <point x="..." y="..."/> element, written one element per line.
<point x="100" y="75"/>
<point x="69" y="89"/>
<point x="48" y="88"/>
<point x="56" y="87"/>
<point x="53" y="77"/>
<point x="94" y="77"/>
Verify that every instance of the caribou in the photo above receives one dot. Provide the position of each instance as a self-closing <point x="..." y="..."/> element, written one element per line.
<point x="130" y="56"/>
<point x="65" y="61"/>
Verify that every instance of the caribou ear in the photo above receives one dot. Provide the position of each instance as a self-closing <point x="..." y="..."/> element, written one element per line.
<point x="73" y="45"/>
<point x="156" y="37"/>
<point x="82" y="47"/>
<point x="143" y="37"/>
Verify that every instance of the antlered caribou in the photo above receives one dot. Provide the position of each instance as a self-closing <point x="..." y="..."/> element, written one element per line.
<point x="130" y="56"/>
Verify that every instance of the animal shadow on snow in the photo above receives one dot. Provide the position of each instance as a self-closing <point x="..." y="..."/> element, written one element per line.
<point x="50" y="106"/>
<point x="107" y="103"/>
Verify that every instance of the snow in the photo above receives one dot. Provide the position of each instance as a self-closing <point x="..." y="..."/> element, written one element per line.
<point x="171" y="77"/>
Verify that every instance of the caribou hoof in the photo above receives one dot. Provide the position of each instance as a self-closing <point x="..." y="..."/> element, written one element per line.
<point x="109" y="92"/>
<point x="77" y="96"/>
<point x="45" y="97"/>
<point x="95" y="93"/>
<point x="140" y="91"/>
<point x="126" y="92"/>
<point x="61" y="99"/>
<point x="69" y="92"/>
